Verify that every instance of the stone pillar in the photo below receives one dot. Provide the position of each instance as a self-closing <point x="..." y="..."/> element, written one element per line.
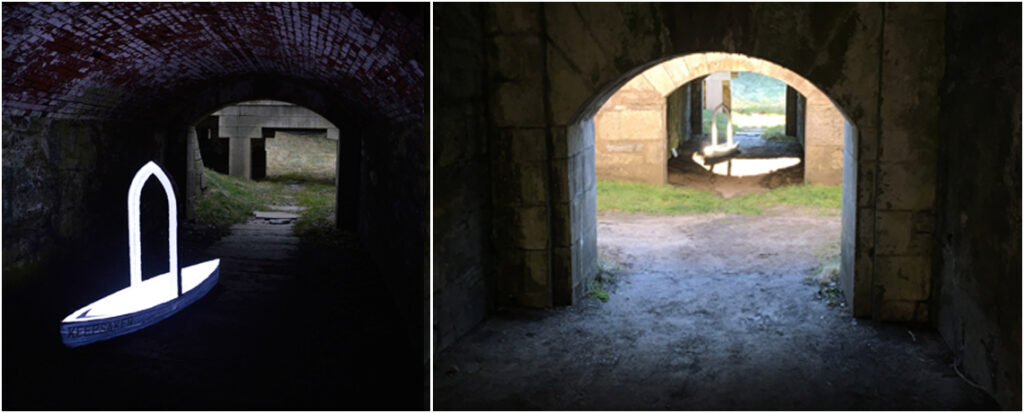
<point x="629" y="134"/>
<point x="258" y="167"/>
<point x="348" y="176"/>
<point x="697" y="106"/>
<point x="801" y="119"/>
<point x="823" y="147"/>
<point x="240" y="158"/>
<point x="520" y="153"/>
<point x="193" y="172"/>
<point x="677" y="118"/>
<point x="791" y="111"/>
<point x="727" y="95"/>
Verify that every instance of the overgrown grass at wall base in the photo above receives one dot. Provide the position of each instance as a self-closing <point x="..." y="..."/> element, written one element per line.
<point x="228" y="200"/>
<point x="672" y="200"/>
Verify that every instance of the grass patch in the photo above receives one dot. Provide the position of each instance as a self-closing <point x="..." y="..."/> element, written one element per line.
<point x="829" y="257"/>
<point x="723" y="121"/>
<point x="826" y="275"/>
<point x="827" y="200"/>
<point x="228" y="200"/>
<point x="303" y="154"/>
<point x="777" y="134"/>
<point x="606" y="272"/>
<point x="654" y="199"/>
<point x="635" y="197"/>
<point x="317" y="224"/>
<point x="756" y="93"/>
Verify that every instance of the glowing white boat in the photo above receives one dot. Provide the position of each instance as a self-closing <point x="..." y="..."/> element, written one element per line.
<point x="716" y="152"/>
<point x="143" y="303"/>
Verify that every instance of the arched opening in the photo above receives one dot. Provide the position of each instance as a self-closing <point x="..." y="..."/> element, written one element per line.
<point x="631" y="129"/>
<point x="265" y="160"/>
<point x="690" y="216"/>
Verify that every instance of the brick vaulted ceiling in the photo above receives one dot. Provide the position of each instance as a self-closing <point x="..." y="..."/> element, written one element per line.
<point x="104" y="60"/>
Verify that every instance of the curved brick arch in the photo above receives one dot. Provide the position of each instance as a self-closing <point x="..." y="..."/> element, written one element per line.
<point x="107" y="60"/>
<point x="630" y="124"/>
<point x="667" y="75"/>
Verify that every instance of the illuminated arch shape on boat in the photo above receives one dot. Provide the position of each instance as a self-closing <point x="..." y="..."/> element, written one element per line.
<point x="143" y="302"/>
<point x="134" y="241"/>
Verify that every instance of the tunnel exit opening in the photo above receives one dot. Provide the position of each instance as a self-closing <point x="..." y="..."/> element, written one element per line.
<point x="266" y="160"/>
<point x="649" y="130"/>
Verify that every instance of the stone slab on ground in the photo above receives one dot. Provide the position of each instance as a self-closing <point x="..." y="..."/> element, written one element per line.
<point x="286" y="208"/>
<point x="274" y="215"/>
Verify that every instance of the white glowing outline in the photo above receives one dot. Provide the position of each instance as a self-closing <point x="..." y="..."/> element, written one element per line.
<point x="142" y="303"/>
<point x="134" y="243"/>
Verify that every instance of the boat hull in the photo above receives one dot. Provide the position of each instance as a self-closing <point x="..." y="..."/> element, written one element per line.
<point x="79" y="333"/>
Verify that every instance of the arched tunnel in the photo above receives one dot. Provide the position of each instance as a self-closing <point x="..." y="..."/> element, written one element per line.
<point x="509" y="275"/>
<point x="930" y="210"/>
<point x="91" y="92"/>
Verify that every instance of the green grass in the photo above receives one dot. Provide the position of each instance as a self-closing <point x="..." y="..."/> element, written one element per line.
<point x="606" y="272"/>
<point x="228" y="200"/>
<point x="654" y="199"/>
<point x="755" y="93"/>
<point x="304" y="159"/>
<point x="672" y="200"/>
<point x="306" y="155"/>
<point x="777" y="133"/>
<point x="723" y="121"/>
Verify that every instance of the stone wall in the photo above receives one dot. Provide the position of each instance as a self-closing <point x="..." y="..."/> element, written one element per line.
<point x="912" y="41"/>
<point x="252" y="119"/>
<point x="977" y="243"/>
<point x="519" y="165"/>
<point x="630" y="134"/>
<point x="463" y="253"/>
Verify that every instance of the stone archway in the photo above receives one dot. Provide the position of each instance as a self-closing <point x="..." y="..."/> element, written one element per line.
<point x="830" y="141"/>
<point x="630" y="128"/>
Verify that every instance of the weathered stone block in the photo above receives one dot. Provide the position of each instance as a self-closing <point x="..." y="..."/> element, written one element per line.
<point x="903" y="277"/>
<point x="906" y="186"/>
<point x="895" y="310"/>
<point x="570" y="38"/>
<point x="527" y="145"/>
<point x="659" y="78"/>
<point x="516" y="57"/>
<point x="531" y="183"/>
<point x="562" y="228"/>
<point x="569" y="89"/>
<point x="531" y="228"/>
<point x="518" y="104"/>
<point x="512" y="17"/>
<point x="894" y="229"/>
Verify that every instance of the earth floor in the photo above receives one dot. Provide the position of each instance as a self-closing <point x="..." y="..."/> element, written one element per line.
<point x="708" y="312"/>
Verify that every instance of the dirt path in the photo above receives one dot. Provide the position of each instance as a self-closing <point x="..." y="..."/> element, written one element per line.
<point x="713" y="312"/>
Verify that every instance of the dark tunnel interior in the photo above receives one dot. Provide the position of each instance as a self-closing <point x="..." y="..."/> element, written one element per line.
<point x="93" y="91"/>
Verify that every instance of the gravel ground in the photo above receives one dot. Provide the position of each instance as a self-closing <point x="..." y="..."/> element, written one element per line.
<point x="709" y="312"/>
